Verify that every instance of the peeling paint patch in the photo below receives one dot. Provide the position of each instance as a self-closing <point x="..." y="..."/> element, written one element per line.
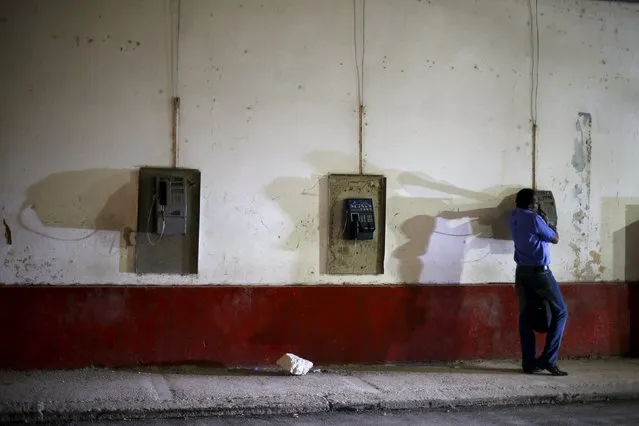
<point x="578" y="217"/>
<point x="586" y="265"/>
<point x="582" y="155"/>
<point x="591" y="269"/>
<point x="29" y="270"/>
<point x="577" y="191"/>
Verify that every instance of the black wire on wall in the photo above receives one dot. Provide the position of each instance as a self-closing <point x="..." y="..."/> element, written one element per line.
<point x="534" y="86"/>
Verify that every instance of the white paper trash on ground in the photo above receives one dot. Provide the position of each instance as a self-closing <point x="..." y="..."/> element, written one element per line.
<point x="294" y="364"/>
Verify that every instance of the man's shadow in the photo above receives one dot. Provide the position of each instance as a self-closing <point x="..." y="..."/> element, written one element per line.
<point x="438" y="244"/>
<point x="100" y="202"/>
<point x="436" y="237"/>
<point x="454" y="228"/>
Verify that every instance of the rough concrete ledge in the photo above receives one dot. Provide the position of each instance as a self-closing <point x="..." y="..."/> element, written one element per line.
<point x="98" y="394"/>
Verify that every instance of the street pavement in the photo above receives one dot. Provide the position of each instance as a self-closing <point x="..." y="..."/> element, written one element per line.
<point x="144" y="393"/>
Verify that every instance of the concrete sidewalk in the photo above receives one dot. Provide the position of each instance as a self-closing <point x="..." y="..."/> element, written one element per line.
<point x="90" y="394"/>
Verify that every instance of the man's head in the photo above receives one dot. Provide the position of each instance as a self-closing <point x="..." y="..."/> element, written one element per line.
<point x="527" y="199"/>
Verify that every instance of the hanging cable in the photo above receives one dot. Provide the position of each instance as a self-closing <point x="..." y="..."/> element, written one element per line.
<point x="359" y="67"/>
<point x="176" y="15"/>
<point x="359" y="56"/>
<point x="534" y="86"/>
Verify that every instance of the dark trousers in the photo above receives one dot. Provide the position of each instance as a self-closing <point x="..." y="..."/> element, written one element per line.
<point x="540" y="281"/>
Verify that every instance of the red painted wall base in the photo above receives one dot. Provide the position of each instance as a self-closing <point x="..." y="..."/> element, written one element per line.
<point x="72" y="326"/>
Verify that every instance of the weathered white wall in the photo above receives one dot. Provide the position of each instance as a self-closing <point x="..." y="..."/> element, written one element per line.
<point x="269" y="98"/>
<point x="590" y="63"/>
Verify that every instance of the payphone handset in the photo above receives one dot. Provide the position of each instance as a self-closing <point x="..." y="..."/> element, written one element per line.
<point x="170" y="205"/>
<point x="359" y="219"/>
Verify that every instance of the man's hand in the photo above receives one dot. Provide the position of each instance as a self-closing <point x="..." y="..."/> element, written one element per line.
<point x="543" y="214"/>
<point x="552" y="226"/>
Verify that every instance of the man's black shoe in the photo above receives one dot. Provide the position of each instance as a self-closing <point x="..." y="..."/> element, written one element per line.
<point x="532" y="370"/>
<point x="555" y="371"/>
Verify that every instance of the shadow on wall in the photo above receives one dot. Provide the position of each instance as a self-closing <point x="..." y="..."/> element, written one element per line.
<point x="95" y="199"/>
<point x="301" y="199"/>
<point x="438" y="239"/>
<point x="627" y="239"/>
<point x="490" y="210"/>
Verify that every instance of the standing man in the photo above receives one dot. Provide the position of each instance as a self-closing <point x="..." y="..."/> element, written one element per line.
<point x="532" y="236"/>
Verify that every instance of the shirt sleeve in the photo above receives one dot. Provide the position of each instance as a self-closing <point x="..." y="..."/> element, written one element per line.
<point x="543" y="230"/>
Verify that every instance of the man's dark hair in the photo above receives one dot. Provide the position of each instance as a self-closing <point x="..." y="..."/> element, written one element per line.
<point x="524" y="198"/>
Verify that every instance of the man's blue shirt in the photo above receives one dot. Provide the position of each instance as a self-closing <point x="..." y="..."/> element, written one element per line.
<point x="532" y="236"/>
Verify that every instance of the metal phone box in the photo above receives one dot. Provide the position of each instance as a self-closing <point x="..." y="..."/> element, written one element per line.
<point x="546" y="201"/>
<point x="359" y="218"/>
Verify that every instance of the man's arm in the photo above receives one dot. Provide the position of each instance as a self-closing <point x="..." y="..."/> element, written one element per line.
<point x="545" y="232"/>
